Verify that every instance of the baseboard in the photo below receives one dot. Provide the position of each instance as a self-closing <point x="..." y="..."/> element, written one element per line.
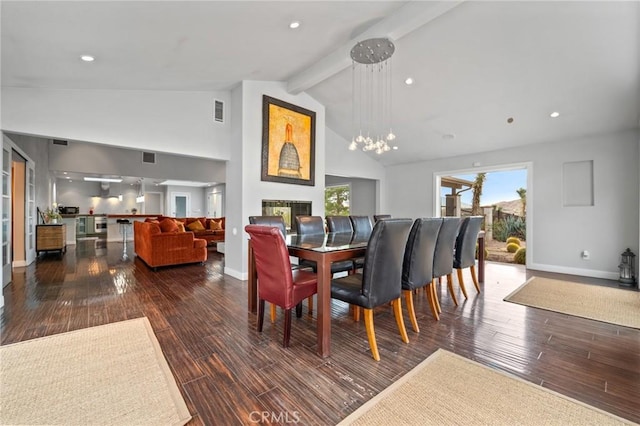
<point x="242" y="276"/>
<point x="575" y="271"/>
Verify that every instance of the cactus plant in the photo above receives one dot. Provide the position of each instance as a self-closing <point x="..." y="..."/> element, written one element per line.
<point x="512" y="247"/>
<point x="514" y="240"/>
<point x="521" y="256"/>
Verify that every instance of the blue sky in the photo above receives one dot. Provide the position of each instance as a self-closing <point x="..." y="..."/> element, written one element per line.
<point x="498" y="186"/>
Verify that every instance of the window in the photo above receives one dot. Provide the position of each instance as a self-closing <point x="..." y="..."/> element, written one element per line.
<point x="336" y="200"/>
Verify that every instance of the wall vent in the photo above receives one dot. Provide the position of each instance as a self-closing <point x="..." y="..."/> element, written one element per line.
<point x="60" y="142"/>
<point x="218" y="111"/>
<point x="149" y="157"/>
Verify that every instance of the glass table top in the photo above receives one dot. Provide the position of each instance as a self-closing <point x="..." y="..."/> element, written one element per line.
<point x="332" y="241"/>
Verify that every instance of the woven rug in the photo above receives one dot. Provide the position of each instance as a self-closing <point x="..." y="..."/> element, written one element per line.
<point x="113" y="374"/>
<point x="607" y="304"/>
<point x="447" y="389"/>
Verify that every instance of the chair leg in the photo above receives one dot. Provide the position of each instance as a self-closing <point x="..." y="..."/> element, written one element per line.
<point x="310" y="303"/>
<point x="273" y="313"/>
<point x="432" y="303"/>
<point x="450" y="287"/>
<point x="475" y="278"/>
<point x="371" y="334"/>
<point x="461" y="281"/>
<point x="397" y="311"/>
<point x="356" y="313"/>
<point x="436" y="301"/>
<point x="299" y="310"/>
<point x="260" y="314"/>
<point x="408" y="297"/>
<point x="287" y="328"/>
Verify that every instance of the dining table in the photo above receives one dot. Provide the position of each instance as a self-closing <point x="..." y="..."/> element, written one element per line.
<point x="325" y="249"/>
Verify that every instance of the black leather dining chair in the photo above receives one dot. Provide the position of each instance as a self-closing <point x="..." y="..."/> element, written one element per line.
<point x="417" y="267"/>
<point x="377" y="217"/>
<point x="443" y="256"/>
<point x="339" y="224"/>
<point x="465" y="253"/>
<point x="361" y="224"/>
<point x="381" y="279"/>
<point x="314" y="225"/>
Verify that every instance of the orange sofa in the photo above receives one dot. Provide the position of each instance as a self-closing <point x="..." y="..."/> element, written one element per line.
<point x="206" y="233"/>
<point x="157" y="248"/>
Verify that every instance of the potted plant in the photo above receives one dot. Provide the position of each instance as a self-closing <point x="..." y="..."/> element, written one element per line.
<point x="52" y="216"/>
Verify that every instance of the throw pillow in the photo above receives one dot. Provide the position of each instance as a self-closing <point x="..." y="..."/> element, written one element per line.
<point x="168" y="225"/>
<point x="180" y="226"/>
<point x="196" y="225"/>
<point x="215" y="225"/>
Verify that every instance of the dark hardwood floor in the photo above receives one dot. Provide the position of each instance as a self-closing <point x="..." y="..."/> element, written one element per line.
<point x="230" y="374"/>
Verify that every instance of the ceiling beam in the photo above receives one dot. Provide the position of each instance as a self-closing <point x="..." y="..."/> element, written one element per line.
<point x="408" y="18"/>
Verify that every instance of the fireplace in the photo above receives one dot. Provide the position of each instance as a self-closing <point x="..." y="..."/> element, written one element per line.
<point x="288" y="209"/>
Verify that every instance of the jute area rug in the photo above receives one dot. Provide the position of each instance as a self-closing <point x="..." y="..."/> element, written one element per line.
<point x="607" y="304"/>
<point x="447" y="389"/>
<point x="113" y="374"/>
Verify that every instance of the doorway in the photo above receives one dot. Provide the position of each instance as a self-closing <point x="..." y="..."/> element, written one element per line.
<point x="214" y="204"/>
<point x="180" y="204"/>
<point x="504" y="199"/>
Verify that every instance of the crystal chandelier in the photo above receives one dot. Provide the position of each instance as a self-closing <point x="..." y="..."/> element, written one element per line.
<point x="371" y="101"/>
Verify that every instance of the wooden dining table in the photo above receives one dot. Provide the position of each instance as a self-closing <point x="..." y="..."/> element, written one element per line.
<point x="325" y="249"/>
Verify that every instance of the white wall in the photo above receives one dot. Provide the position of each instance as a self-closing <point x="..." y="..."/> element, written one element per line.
<point x="559" y="233"/>
<point x="165" y="121"/>
<point x="246" y="153"/>
<point x="343" y="162"/>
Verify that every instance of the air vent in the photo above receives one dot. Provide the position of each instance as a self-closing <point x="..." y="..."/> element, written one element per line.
<point x="149" y="157"/>
<point x="218" y="111"/>
<point x="60" y="142"/>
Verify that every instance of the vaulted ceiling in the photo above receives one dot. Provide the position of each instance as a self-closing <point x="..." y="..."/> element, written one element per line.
<point x="475" y="64"/>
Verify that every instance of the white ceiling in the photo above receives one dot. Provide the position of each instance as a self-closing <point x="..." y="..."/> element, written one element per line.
<point x="474" y="65"/>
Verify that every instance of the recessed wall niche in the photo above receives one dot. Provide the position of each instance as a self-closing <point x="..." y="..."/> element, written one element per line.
<point x="577" y="183"/>
<point x="288" y="209"/>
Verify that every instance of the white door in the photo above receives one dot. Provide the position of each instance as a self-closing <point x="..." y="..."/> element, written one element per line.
<point x="214" y="204"/>
<point x="30" y="214"/>
<point x="180" y="204"/>
<point x="6" y="214"/>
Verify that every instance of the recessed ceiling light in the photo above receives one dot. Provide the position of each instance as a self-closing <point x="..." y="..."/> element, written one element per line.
<point x="64" y="173"/>
<point x="510" y="120"/>
<point x="408" y="81"/>
<point x="395" y="148"/>
<point x="554" y="114"/>
<point x="87" y="58"/>
<point x="68" y="177"/>
<point x="294" y="25"/>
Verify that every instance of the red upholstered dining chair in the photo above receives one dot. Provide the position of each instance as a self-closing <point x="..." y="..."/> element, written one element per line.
<point x="277" y="283"/>
<point x="278" y="222"/>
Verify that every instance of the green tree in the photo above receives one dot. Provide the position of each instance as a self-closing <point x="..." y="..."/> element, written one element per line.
<point x="523" y="199"/>
<point x="336" y="200"/>
<point x="477" y="193"/>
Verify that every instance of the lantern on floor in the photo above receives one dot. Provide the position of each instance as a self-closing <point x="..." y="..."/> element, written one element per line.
<point x="627" y="269"/>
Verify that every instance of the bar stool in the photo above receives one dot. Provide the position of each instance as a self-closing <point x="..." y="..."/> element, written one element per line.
<point x="124" y="226"/>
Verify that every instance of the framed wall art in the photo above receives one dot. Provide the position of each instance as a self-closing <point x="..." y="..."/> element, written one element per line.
<point x="288" y="142"/>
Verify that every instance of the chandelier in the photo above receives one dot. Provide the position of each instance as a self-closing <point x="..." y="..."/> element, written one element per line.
<point x="371" y="96"/>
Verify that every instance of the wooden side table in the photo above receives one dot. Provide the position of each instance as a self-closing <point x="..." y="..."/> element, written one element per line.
<point x="52" y="237"/>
